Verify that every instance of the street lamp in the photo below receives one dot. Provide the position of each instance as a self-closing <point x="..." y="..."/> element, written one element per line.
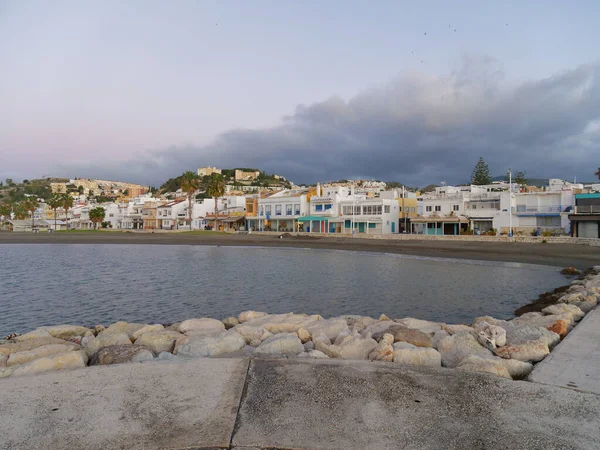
<point x="510" y="232"/>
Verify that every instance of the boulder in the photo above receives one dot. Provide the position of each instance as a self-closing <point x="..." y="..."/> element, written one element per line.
<point x="384" y="318"/>
<point x="491" y="321"/>
<point x="377" y="328"/>
<point x="173" y="326"/>
<point x="201" y="326"/>
<point x="62" y="361"/>
<point x="282" y="344"/>
<point x="249" y="315"/>
<point x="438" y="336"/>
<point x="64" y="331"/>
<point x="159" y="341"/>
<point x="405" y="334"/>
<point x="542" y="321"/>
<point x="518" y="370"/>
<point x="35" y="334"/>
<point x="147" y="329"/>
<point x="209" y="345"/>
<point x="422" y="325"/>
<point x="457" y="347"/>
<point x="166" y="356"/>
<point x="38" y="352"/>
<point x="351" y="347"/>
<point x="252" y="333"/>
<point x="383" y="352"/>
<point x="330" y="327"/>
<point x="405" y="353"/>
<point x="339" y="339"/>
<point x="453" y="329"/>
<point x="490" y="336"/>
<point x="565" y="309"/>
<point x="587" y="304"/>
<point x="230" y="322"/>
<point x="123" y="327"/>
<point x="105" y="339"/>
<point x="483" y="365"/>
<point x="359" y="323"/>
<point x="304" y="335"/>
<point x="534" y="351"/>
<point x="3" y="360"/>
<point x="29" y="344"/>
<point x="559" y="327"/>
<point x="308" y="346"/>
<point x="525" y="333"/>
<point x="118" y="354"/>
<point x="314" y="354"/>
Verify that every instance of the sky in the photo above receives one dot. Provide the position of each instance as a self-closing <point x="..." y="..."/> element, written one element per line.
<point x="394" y="90"/>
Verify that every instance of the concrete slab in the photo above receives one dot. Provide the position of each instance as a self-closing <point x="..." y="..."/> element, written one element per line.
<point x="128" y="406"/>
<point x="575" y="362"/>
<point x="357" y="405"/>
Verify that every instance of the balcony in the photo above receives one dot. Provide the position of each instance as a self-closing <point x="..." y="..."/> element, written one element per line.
<point x="522" y="210"/>
<point x="586" y="209"/>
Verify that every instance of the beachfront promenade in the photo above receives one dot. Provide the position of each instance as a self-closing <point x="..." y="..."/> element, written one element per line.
<point x="309" y="404"/>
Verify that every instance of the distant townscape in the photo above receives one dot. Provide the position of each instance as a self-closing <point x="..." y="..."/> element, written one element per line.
<point x="250" y="200"/>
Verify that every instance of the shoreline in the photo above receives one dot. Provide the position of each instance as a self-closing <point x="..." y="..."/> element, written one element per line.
<point x="559" y="255"/>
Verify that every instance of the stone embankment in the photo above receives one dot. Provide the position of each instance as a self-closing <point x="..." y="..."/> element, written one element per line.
<point x="506" y="348"/>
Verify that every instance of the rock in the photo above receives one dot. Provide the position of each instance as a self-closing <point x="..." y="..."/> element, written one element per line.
<point x="201" y="326"/>
<point x="377" y="328"/>
<point x="587" y="304"/>
<point x="64" y="331"/>
<point x="308" y="346"/>
<point x="559" y="327"/>
<point x="384" y="318"/>
<point x="565" y="309"/>
<point x="124" y="327"/>
<point x="29" y="344"/>
<point x="249" y="315"/>
<point x="62" y="361"/>
<point x="351" y="347"/>
<point x="166" y="356"/>
<point x="383" y="352"/>
<point x="85" y="341"/>
<point x="422" y="325"/>
<point x="490" y="336"/>
<point x="282" y="344"/>
<point x="410" y="335"/>
<point x="570" y="271"/>
<point x="330" y="327"/>
<point x="3" y="360"/>
<point x="118" y="354"/>
<point x="98" y="329"/>
<point x="528" y="351"/>
<point x="491" y="321"/>
<point x="38" y="352"/>
<point x="542" y="321"/>
<point x="287" y="323"/>
<point x="147" y="329"/>
<point x="525" y="333"/>
<point x="209" y="345"/>
<point x="340" y="337"/>
<point x="438" y="336"/>
<point x="230" y="322"/>
<point x="457" y="347"/>
<point x="89" y="334"/>
<point x="483" y="365"/>
<point x="358" y="323"/>
<point x="159" y="341"/>
<point x="105" y="339"/>
<point x="252" y="333"/>
<point x="405" y="353"/>
<point x="387" y="338"/>
<point x="453" y="329"/>
<point x="173" y="326"/>
<point x="315" y="354"/>
<point x="35" y="334"/>
<point x="255" y="342"/>
<point x="518" y="370"/>
<point x="304" y="335"/>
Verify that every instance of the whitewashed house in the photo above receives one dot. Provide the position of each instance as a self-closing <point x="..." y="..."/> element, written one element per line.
<point x="171" y="215"/>
<point x="280" y="211"/>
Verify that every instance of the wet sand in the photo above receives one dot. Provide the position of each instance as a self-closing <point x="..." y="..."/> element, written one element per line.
<point x="562" y="255"/>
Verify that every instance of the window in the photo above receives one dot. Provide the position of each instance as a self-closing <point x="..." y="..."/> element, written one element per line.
<point x="377" y="209"/>
<point x="277" y="210"/>
<point x="357" y="210"/>
<point x="250" y="207"/>
<point x="438" y="208"/>
<point x="288" y="210"/>
<point x="296" y="210"/>
<point x="262" y="210"/>
<point x="347" y="210"/>
<point x="328" y="207"/>
<point x="367" y="209"/>
<point x="412" y="209"/>
<point x="387" y="208"/>
<point x="268" y="210"/>
<point x="372" y="225"/>
<point x="454" y="207"/>
<point x="111" y="215"/>
<point x="318" y="207"/>
<point x="400" y="208"/>
<point x="428" y="208"/>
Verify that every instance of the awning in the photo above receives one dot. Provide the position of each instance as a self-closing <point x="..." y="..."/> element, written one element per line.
<point x="313" y="218"/>
<point x="231" y="219"/>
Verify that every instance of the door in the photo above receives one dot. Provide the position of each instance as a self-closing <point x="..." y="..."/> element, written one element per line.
<point x="393" y="227"/>
<point x="588" y="230"/>
<point x="361" y="227"/>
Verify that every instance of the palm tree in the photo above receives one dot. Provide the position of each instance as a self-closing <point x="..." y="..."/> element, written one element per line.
<point x="67" y="203"/>
<point x="215" y="188"/>
<point x="55" y="202"/>
<point x="30" y="205"/>
<point x="190" y="183"/>
<point x="97" y="215"/>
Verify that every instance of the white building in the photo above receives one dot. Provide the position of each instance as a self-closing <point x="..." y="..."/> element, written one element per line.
<point x="281" y="211"/>
<point x="171" y="215"/>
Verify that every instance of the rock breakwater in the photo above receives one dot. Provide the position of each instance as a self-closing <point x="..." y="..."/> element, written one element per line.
<point x="505" y="348"/>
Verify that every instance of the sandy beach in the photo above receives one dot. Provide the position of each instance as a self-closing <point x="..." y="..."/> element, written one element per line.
<point x="561" y="255"/>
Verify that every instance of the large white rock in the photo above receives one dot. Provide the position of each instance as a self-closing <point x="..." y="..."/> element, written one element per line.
<point x="209" y="345"/>
<point x="124" y="327"/>
<point x="453" y="329"/>
<point x="38" y="352"/>
<point x="330" y="327"/>
<point x="438" y="336"/>
<point x="527" y="333"/>
<point x="159" y="341"/>
<point x="422" y="325"/>
<point x="289" y="323"/>
<point x="282" y="344"/>
<point x="104" y="339"/>
<point x="29" y="344"/>
<point x="65" y="331"/>
<point x="377" y="327"/>
<point x="147" y="329"/>
<point x="564" y="309"/>
<point x="35" y="334"/>
<point x="249" y="315"/>
<point x="359" y="323"/>
<point x="384" y="350"/>
<point x="61" y="361"/>
<point x="528" y="343"/>
<point x="518" y="370"/>
<point x="483" y="365"/>
<point x="252" y="333"/>
<point x="3" y="360"/>
<point x="314" y="354"/>
<point x="490" y="336"/>
<point x="203" y="325"/>
<point x="490" y="320"/>
<point x="351" y="347"/>
<point x="540" y="320"/>
<point x="405" y="353"/>
<point x="457" y="347"/>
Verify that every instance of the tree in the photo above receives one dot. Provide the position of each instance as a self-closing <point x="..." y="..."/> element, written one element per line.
<point x="67" y="203"/>
<point x="55" y="202"/>
<point x="30" y="205"/>
<point x="97" y="215"/>
<point x="190" y="184"/>
<point x="5" y="209"/>
<point x="519" y="177"/>
<point x="215" y="188"/>
<point x="481" y="174"/>
<point x="80" y="189"/>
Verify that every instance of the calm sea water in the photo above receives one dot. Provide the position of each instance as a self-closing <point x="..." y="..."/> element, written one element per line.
<point x="90" y="284"/>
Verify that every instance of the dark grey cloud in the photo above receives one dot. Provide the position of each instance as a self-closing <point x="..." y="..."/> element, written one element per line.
<point x="417" y="129"/>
